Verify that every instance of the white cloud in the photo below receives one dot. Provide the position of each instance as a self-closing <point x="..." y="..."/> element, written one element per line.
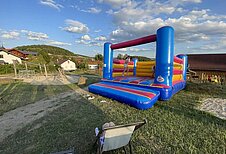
<point x="36" y="36"/>
<point x="217" y="46"/>
<point x="10" y="35"/>
<point x="183" y="2"/>
<point x="52" y="4"/>
<point x="89" y="43"/>
<point x="81" y="42"/>
<point x="186" y="29"/>
<point x="86" y="38"/>
<point x="97" y="31"/>
<point x="110" y="12"/>
<point x="115" y="3"/>
<point x="141" y="19"/>
<point x="97" y="52"/>
<point x="101" y="38"/>
<point x="92" y="10"/>
<point x="93" y="43"/>
<point x="168" y="5"/>
<point x="57" y="43"/>
<point x="74" y="26"/>
<point x="132" y="49"/>
<point x="121" y="50"/>
<point x="134" y="11"/>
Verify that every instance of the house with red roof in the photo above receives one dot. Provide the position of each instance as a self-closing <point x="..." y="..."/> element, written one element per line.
<point x="22" y="54"/>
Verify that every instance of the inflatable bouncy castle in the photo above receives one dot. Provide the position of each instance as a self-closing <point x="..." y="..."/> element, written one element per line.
<point x="146" y="81"/>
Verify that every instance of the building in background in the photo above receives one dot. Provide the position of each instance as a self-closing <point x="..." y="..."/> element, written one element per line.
<point x="93" y="65"/>
<point x="22" y="54"/>
<point x="67" y="65"/>
<point x="8" y="58"/>
<point x="208" y="65"/>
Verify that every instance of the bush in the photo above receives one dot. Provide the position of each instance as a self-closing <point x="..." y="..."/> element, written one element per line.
<point x="5" y="69"/>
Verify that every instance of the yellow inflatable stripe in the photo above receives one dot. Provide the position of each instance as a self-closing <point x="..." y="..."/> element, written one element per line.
<point x="120" y="74"/>
<point x="176" y="64"/>
<point x="146" y="63"/>
<point x="144" y="70"/>
<point x="178" y="67"/>
<point x="177" y="77"/>
<point x="145" y="66"/>
<point x="121" y="66"/>
<point x="145" y="74"/>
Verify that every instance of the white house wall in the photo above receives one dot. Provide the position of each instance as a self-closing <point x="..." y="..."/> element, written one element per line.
<point x="8" y="58"/>
<point x="93" y="67"/>
<point x="68" y="65"/>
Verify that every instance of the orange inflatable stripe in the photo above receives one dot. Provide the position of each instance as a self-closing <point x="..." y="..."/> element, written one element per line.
<point x="122" y="66"/>
<point x="120" y="74"/>
<point x="145" y="74"/>
<point x="145" y="66"/>
<point x="145" y="63"/>
<point x="177" y="77"/>
<point x="144" y="70"/>
<point x="178" y="67"/>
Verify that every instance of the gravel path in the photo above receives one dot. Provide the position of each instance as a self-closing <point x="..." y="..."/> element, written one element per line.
<point x="16" y="119"/>
<point x="216" y="106"/>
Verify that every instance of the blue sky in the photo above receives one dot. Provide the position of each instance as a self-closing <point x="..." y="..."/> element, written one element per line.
<point x="83" y="26"/>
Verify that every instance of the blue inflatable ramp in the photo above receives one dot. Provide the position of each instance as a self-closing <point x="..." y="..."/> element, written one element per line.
<point x="138" y="97"/>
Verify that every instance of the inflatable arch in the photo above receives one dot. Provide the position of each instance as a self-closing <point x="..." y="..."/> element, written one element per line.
<point x="143" y="86"/>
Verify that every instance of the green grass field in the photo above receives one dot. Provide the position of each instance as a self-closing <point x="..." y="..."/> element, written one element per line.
<point x="174" y="126"/>
<point x="17" y="94"/>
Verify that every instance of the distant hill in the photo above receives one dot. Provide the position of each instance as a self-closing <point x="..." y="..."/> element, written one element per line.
<point x="46" y="48"/>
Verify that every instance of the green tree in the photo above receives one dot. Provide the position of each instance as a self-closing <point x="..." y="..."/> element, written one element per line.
<point x="120" y="56"/>
<point x="82" y="65"/>
<point x="46" y="48"/>
<point x="45" y="56"/>
<point x="98" y="57"/>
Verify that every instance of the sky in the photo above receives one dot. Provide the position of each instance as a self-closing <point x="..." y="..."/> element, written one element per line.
<point x="82" y="26"/>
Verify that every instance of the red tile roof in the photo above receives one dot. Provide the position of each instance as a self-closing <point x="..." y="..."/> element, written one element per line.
<point x="94" y="62"/>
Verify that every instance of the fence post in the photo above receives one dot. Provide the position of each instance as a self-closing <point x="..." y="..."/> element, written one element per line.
<point x="45" y="70"/>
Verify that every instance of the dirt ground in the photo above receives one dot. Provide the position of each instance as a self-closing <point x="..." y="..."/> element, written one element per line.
<point x="52" y="80"/>
<point x="216" y="106"/>
<point x="16" y="119"/>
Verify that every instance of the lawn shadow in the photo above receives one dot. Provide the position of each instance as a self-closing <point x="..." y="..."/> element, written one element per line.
<point x="208" y="89"/>
<point x="89" y="81"/>
<point x="193" y="113"/>
<point x="72" y="125"/>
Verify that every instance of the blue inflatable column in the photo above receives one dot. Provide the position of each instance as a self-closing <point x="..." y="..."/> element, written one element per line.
<point x="135" y="66"/>
<point x="185" y="65"/>
<point x="108" y="61"/>
<point x="164" y="56"/>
